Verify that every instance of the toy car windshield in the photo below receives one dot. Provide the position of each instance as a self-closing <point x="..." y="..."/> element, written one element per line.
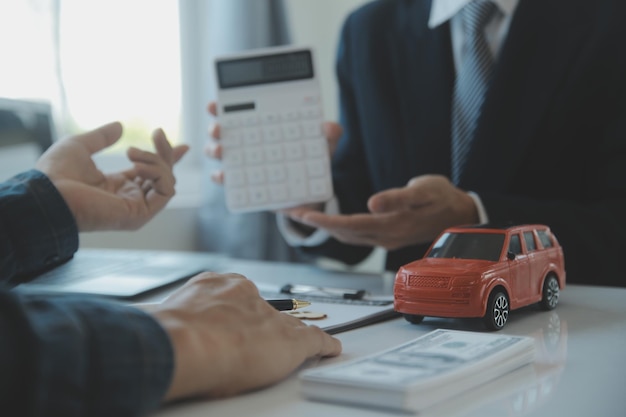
<point x="483" y="246"/>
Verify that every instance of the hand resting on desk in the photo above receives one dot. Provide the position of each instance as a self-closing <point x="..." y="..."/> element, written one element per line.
<point x="227" y="339"/>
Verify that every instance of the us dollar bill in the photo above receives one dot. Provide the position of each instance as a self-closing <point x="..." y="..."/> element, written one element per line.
<point x="456" y="360"/>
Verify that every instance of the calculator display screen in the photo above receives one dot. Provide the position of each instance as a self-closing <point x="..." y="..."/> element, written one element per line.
<point x="289" y="66"/>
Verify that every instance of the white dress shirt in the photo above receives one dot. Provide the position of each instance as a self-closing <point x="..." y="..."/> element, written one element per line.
<point x="495" y="31"/>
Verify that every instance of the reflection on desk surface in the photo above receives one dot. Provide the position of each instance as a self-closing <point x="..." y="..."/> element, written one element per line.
<point x="522" y="391"/>
<point x="519" y="392"/>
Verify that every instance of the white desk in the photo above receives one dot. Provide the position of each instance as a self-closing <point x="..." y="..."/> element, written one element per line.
<point x="580" y="369"/>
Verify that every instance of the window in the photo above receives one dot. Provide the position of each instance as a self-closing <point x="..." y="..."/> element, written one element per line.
<point x="485" y="246"/>
<point x="530" y="241"/>
<point x="96" y="62"/>
<point x="515" y="245"/>
<point x="544" y="238"/>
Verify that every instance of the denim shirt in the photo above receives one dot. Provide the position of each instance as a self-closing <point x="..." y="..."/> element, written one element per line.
<point x="67" y="355"/>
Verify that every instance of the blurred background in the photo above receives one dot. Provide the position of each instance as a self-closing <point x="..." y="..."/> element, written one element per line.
<point x="72" y="65"/>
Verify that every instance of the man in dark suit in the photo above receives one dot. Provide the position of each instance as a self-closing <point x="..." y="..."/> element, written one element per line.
<point x="549" y="145"/>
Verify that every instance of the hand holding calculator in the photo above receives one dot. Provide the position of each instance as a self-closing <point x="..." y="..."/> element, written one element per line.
<point x="270" y="111"/>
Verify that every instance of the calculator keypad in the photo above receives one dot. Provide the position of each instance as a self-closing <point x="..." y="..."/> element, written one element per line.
<point x="276" y="159"/>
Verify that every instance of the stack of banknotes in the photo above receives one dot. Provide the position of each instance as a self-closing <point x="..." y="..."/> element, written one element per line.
<point x="421" y="373"/>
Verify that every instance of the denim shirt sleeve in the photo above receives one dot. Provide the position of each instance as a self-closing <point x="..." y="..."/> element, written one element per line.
<point x="68" y="355"/>
<point x="37" y="229"/>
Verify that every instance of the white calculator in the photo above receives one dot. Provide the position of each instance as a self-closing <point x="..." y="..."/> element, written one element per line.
<point x="270" y="113"/>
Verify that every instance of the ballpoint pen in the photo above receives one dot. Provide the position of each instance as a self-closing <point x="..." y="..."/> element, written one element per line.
<point x="310" y="290"/>
<point x="288" y="304"/>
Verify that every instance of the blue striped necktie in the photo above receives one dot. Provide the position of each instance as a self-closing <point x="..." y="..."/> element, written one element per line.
<point x="471" y="82"/>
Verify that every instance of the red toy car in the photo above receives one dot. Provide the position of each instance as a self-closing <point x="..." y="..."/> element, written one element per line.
<point x="482" y="271"/>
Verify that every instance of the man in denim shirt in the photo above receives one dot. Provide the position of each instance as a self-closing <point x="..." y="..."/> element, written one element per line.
<point x="70" y="355"/>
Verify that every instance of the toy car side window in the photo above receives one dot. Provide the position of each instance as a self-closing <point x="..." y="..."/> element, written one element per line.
<point x="530" y="241"/>
<point x="515" y="245"/>
<point x="544" y="238"/>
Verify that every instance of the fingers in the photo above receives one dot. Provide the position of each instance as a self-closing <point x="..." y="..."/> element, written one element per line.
<point x="217" y="177"/>
<point x="179" y="151"/>
<point x="310" y="340"/>
<point x="419" y="192"/>
<point x="212" y="108"/>
<point x="100" y="138"/>
<point x="361" y="229"/>
<point x="320" y="343"/>
<point x="213" y="150"/>
<point x="395" y="199"/>
<point x="156" y="169"/>
<point x="163" y="147"/>
<point x="299" y="212"/>
<point x="364" y="223"/>
<point x="215" y="131"/>
<point x="217" y="278"/>
<point x="333" y="132"/>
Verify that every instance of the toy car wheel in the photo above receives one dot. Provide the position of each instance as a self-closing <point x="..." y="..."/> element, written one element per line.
<point x="413" y="318"/>
<point x="498" y="308"/>
<point x="550" y="293"/>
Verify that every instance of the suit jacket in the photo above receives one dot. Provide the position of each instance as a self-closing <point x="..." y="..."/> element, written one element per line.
<point x="550" y="146"/>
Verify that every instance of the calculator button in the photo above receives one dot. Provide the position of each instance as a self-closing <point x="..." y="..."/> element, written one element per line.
<point x="231" y="137"/>
<point x="296" y="180"/>
<point x="311" y="113"/>
<point x="315" y="148"/>
<point x="251" y="137"/>
<point x="312" y="129"/>
<point x="291" y="115"/>
<point x="311" y="100"/>
<point x="278" y="193"/>
<point x="230" y="122"/>
<point x="276" y="173"/>
<point x="297" y="190"/>
<point x="255" y="175"/>
<point x="273" y="153"/>
<point x="270" y="118"/>
<point x="237" y="198"/>
<point x="257" y="195"/>
<point x="291" y="131"/>
<point x="233" y="157"/>
<point x="293" y="150"/>
<point x="272" y="133"/>
<point x="253" y="156"/>
<point x="316" y="167"/>
<point x="319" y="187"/>
<point x="295" y="171"/>
<point x="250" y="120"/>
